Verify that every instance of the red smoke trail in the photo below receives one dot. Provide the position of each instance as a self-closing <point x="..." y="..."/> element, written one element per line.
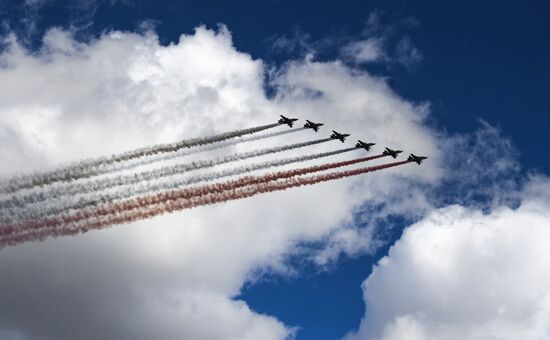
<point x="184" y="203"/>
<point x="17" y="215"/>
<point x="143" y="201"/>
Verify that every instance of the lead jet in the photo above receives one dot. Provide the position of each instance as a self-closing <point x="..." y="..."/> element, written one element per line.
<point x="340" y="136"/>
<point x="286" y="120"/>
<point x="311" y="125"/>
<point x="417" y="159"/>
<point x="362" y="145"/>
<point x="390" y="152"/>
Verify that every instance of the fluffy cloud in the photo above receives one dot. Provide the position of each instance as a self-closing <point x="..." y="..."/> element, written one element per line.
<point x="383" y="42"/>
<point x="463" y="274"/>
<point x="175" y="276"/>
<point x="365" y="51"/>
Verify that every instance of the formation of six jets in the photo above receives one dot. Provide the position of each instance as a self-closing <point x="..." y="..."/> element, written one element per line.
<point x="342" y="137"/>
<point x="102" y="192"/>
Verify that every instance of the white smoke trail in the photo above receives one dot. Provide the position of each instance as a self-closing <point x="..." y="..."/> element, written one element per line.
<point x="86" y="168"/>
<point x="120" y="180"/>
<point x="48" y="208"/>
<point x="181" y="153"/>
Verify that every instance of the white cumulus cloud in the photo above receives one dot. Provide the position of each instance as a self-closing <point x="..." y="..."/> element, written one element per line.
<point x="176" y="276"/>
<point x="463" y="274"/>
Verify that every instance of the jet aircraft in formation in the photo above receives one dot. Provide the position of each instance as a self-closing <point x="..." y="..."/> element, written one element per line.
<point x="311" y="125"/>
<point x="390" y="152"/>
<point x="288" y="121"/>
<point x="362" y="145"/>
<point x="417" y="159"/>
<point x="342" y="137"/>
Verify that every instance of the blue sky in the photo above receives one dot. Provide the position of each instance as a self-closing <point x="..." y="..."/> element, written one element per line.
<point x="480" y="60"/>
<point x="475" y="63"/>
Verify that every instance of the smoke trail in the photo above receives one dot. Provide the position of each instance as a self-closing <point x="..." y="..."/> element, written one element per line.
<point x="110" y="182"/>
<point x="15" y="215"/>
<point x="174" y="195"/>
<point x="163" y="157"/>
<point x="76" y="171"/>
<point x="82" y="226"/>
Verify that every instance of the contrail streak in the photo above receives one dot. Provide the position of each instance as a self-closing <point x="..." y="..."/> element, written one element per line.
<point x="81" y="226"/>
<point x="18" y="214"/>
<point x="120" y="180"/>
<point x="174" y="195"/>
<point x="76" y="171"/>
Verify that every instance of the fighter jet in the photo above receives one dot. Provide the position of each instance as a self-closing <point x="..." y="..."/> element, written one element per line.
<point x="390" y="152"/>
<point x="286" y="120"/>
<point x="417" y="159"/>
<point x="311" y="125"/>
<point x="362" y="145"/>
<point x="340" y="136"/>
